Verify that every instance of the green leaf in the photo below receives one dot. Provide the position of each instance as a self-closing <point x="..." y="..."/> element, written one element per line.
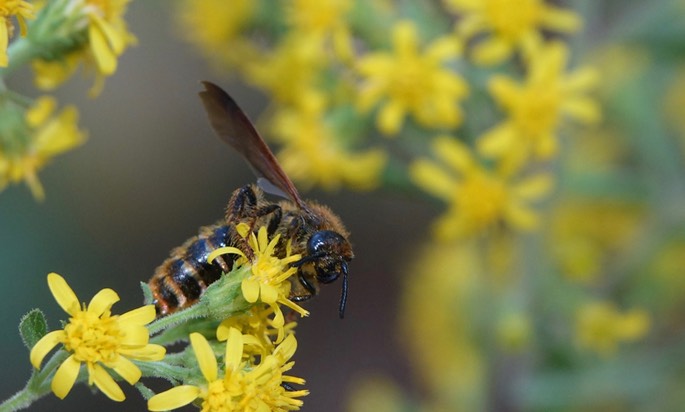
<point x="32" y="327"/>
<point x="147" y="293"/>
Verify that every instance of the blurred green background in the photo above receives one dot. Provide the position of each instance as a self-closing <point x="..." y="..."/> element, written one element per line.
<point x="151" y="173"/>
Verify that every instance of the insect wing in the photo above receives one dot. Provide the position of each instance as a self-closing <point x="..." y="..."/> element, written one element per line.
<point x="233" y="126"/>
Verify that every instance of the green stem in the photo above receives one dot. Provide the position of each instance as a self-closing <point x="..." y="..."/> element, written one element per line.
<point x="37" y="386"/>
<point x="198" y="310"/>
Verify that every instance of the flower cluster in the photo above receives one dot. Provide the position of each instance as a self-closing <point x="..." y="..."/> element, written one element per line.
<point x="57" y="37"/>
<point x="259" y="343"/>
<point x="244" y="386"/>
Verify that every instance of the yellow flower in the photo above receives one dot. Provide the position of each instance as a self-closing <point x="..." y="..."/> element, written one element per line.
<point x="439" y="309"/>
<point x="48" y="136"/>
<point x="268" y="281"/>
<point x="107" y="38"/>
<point x="535" y="108"/>
<point x="215" y="27"/>
<point x="583" y="249"/>
<point x="243" y="387"/>
<point x="313" y="154"/>
<point x="22" y="10"/>
<point x="410" y="81"/>
<point x="291" y="70"/>
<point x="257" y="323"/>
<point x="322" y="20"/>
<point x="478" y="198"/>
<point x="600" y="326"/>
<point x="511" y="25"/>
<point x="97" y="338"/>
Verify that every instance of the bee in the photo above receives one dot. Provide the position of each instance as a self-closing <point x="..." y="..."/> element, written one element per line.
<point x="312" y="229"/>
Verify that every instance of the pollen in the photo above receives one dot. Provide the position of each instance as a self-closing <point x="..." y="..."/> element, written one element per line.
<point x="92" y="338"/>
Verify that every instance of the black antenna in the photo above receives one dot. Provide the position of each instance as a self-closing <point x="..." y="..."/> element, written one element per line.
<point x="343" y="293"/>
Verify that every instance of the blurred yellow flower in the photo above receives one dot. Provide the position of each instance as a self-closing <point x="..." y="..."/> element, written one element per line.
<point x="215" y="27"/>
<point x="243" y="387"/>
<point x="97" y="338"/>
<point x="601" y="327"/>
<point x="375" y="394"/>
<point x="313" y="154"/>
<point x="322" y="20"/>
<point x="412" y="81"/>
<point x="268" y="281"/>
<point x="674" y="101"/>
<point x="534" y="109"/>
<point x="477" y="198"/>
<point x="22" y="10"/>
<point x="48" y="136"/>
<point x="511" y="25"/>
<point x="107" y="38"/>
<point x="439" y="324"/>
<point x="580" y="246"/>
<point x="289" y="72"/>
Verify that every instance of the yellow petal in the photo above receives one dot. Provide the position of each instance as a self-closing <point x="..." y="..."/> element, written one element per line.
<point x="100" y="46"/>
<point x="444" y="48"/>
<point x="224" y="251"/>
<point x="390" y="117"/>
<point x="583" y="109"/>
<point x="147" y="353"/>
<point x="278" y="320"/>
<point x="106" y="383"/>
<point x="64" y="295"/>
<point x="44" y="346"/>
<point x="521" y="217"/>
<point x="534" y="187"/>
<point x="433" y="179"/>
<point x="173" y="398"/>
<point x="497" y="141"/>
<point x="286" y="349"/>
<point x="582" y="79"/>
<point x="491" y="51"/>
<point x="263" y="240"/>
<point x="205" y="356"/>
<point x="561" y="20"/>
<point x="139" y="316"/>
<point x="4" y="40"/>
<point x="243" y="229"/>
<point x="234" y="349"/>
<point x="102" y="301"/>
<point x="134" y="335"/>
<point x="454" y="153"/>
<point x="268" y="294"/>
<point x="250" y="288"/>
<point x="65" y="377"/>
<point x="405" y="38"/>
<point x="223" y="330"/>
<point x="127" y="370"/>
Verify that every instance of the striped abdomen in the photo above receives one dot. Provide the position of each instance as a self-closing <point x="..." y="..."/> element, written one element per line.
<point x="181" y="279"/>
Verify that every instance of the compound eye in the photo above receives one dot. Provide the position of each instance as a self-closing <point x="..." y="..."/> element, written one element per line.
<point x="322" y="240"/>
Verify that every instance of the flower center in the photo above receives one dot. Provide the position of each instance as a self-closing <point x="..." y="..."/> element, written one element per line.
<point x="92" y="338"/>
<point x="512" y="18"/>
<point x="217" y="399"/>
<point x="537" y="113"/>
<point x="267" y="269"/>
<point x="410" y="80"/>
<point x="482" y="198"/>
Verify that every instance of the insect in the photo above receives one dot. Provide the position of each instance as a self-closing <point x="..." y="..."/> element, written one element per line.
<point x="312" y="229"/>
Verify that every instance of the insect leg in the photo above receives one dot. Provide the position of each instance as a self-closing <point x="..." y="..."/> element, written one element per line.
<point x="242" y="204"/>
